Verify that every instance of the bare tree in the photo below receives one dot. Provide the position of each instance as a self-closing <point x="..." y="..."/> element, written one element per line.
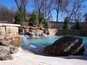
<point x="43" y="6"/>
<point x="22" y="3"/>
<point x="38" y="6"/>
<point x="47" y="8"/>
<point x="85" y="17"/>
<point x="60" y="5"/>
<point x="74" y="9"/>
<point x="6" y="14"/>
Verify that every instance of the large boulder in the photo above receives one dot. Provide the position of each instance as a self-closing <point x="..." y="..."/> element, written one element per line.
<point x="4" y="52"/>
<point x="6" y="49"/>
<point x="13" y="49"/>
<point x="67" y="45"/>
<point x="4" y="42"/>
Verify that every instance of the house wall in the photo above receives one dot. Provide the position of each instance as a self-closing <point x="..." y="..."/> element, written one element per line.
<point x="59" y="25"/>
<point x="76" y="32"/>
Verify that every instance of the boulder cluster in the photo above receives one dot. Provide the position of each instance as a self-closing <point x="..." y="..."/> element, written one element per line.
<point x="34" y="32"/>
<point x="66" y="45"/>
<point x="6" y="50"/>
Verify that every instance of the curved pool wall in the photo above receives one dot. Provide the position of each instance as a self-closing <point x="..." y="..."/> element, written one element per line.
<point x="37" y="44"/>
<point x="84" y="42"/>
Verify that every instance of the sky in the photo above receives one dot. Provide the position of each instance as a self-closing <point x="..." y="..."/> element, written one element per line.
<point x="12" y="5"/>
<point x="8" y="3"/>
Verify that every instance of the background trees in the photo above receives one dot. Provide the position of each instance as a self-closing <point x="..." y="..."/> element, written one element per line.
<point x="6" y="14"/>
<point x="73" y="9"/>
<point x="59" y="6"/>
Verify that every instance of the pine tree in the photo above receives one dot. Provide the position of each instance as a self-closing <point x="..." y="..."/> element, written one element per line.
<point x="66" y="23"/>
<point x="77" y="25"/>
<point x="19" y="17"/>
<point x="33" y="21"/>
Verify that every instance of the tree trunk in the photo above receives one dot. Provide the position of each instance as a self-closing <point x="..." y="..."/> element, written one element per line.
<point x="57" y="17"/>
<point x="39" y="16"/>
